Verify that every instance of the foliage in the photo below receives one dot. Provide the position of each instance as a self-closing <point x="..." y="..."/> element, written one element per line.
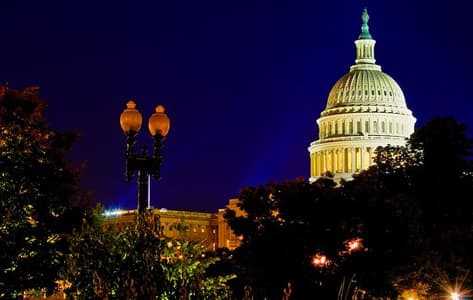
<point x="106" y="263"/>
<point x="185" y="266"/>
<point x="38" y="187"/>
<point x="136" y="262"/>
<point x="284" y="227"/>
<point x="413" y="212"/>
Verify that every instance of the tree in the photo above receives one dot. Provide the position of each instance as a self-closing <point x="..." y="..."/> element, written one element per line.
<point x="38" y="187"/>
<point x="186" y="264"/>
<point x="424" y="208"/>
<point x="412" y="212"/>
<point x="111" y="263"/>
<point x="444" y="193"/>
<point x="285" y="225"/>
<point x="136" y="261"/>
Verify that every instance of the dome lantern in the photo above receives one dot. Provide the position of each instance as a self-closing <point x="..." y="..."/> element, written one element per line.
<point x="365" y="46"/>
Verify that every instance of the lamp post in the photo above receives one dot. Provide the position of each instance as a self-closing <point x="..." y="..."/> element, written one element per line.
<point x="144" y="165"/>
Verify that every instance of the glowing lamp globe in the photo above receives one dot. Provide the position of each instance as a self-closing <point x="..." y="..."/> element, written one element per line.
<point x="130" y="118"/>
<point x="159" y="122"/>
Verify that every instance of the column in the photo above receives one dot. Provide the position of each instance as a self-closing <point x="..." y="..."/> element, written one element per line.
<point x="326" y="161"/>
<point x="371" y="155"/>
<point x="334" y="157"/>
<point x="353" y="160"/>
<point x="313" y="157"/>
<point x="362" y="154"/>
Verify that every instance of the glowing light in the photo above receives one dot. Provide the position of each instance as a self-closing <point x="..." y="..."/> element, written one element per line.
<point x="320" y="260"/>
<point x="113" y="212"/>
<point x="354" y="245"/>
<point x="455" y="296"/>
<point x="410" y="294"/>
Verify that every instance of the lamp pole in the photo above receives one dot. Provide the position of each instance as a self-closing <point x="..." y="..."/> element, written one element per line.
<point x="144" y="165"/>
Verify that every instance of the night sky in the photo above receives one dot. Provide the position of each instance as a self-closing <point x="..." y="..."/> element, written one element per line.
<point x="243" y="82"/>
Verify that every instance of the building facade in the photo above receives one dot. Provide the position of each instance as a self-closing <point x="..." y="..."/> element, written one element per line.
<point x="211" y="228"/>
<point x="365" y="109"/>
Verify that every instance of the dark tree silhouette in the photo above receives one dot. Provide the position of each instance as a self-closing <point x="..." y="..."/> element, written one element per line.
<point x="413" y="212"/>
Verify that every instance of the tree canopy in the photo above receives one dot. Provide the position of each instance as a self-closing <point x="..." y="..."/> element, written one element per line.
<point x="38" y="187"/>
<point x="410" y="214"/>
<point x="136" y="261"/>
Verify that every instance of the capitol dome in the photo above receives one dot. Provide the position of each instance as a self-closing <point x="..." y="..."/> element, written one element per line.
<point x="365" y="109"/>
<point x="363" y="90"/>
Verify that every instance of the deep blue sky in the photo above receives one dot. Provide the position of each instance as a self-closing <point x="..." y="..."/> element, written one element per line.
<point x="242" y="81"/>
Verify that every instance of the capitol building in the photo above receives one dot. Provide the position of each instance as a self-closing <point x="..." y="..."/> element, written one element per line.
<point x="365" y="109"/>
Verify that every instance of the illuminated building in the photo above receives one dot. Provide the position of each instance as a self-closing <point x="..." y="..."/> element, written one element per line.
<point x="211" y="228"/>
<point x="365" y="109"/>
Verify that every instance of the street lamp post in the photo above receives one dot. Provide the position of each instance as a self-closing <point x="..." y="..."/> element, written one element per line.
<point x="144" y="165"/>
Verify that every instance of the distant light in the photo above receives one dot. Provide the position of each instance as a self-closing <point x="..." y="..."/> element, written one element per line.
<point x="354" y="245"/>
<point x="163" y="209"/>
<point x="113" y="212"/>
<point x="455" y="296"/>
<point x="320" y="260"/>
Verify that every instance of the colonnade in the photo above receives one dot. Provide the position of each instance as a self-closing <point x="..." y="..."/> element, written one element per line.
<point x="341" y="160"/>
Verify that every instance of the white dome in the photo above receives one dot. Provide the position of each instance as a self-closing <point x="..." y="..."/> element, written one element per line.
<point x="365" y="109"/>
<point x="363" y="90"/>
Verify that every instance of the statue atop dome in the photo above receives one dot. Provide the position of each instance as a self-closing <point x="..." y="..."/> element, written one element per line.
<point x="365" y="29"/>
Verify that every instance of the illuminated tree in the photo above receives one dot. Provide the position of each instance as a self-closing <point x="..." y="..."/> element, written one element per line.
<point x="106" y="263"/>
<point x="136" y="262"/>
<point x="185" y="267"/>
<point x="37" y="188"/>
